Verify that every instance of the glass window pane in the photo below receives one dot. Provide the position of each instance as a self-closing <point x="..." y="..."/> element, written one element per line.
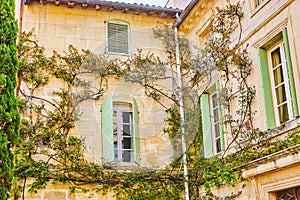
<point x="115" y="128"/>
<point x="216" y="119"/>
<point x="280" y="94"/>
<point x="283" y="113"/>
<point x="116" y="154"/>
<point x="276" y="57"/>
<point x="127" y="143"/>
<point x="218" y="145"/>
<point x="127" y="156"/>
<point x="278" y="75"/>
<point x="217" y="130"/>
<point x="126" y="129"/>
<point x="127" y="117"/>
<point x="214" y="100"/>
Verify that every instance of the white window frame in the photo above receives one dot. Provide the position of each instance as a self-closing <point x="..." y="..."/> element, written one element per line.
<point x="118" y="112"/>
<point x="215" y="122"/>
<point x="117" y="51"/>
<point x="285" y="82"/>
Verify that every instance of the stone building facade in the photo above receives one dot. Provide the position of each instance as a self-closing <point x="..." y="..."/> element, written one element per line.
<point x="271" y="28"/>
<point x="91" y="25"/>
<point x="268" y="26"/>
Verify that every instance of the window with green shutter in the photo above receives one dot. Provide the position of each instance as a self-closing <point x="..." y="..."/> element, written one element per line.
<point x="120" y="132"/>
<point x="278" y="81"/>
<point x="117" y="37"/>
<point x="212" y="128"/>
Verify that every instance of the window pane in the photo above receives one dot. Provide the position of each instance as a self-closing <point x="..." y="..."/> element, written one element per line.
<point x="127" y="117"/>
<point x="127" y="143"/>
<point x="283" y="113"/>
<point x="218" y="145"/>
<point x="215" y="112"/>
<point x="278" y="75"/>
<point x="127" y="156"/>
<point x="217" y="130"/>
<point x="126" y="130"/>
<point x="280" y="94"/>
<point x="276" y="57"/>
<point x="214" y="100"/>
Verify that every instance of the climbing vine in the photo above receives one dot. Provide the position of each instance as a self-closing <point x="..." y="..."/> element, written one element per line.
<point x="50" y="151"/>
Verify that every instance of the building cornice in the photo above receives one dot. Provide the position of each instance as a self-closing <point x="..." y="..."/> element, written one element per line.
<point x="111" y="6"/>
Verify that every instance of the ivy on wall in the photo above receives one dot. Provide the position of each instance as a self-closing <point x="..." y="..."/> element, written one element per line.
<point x="50" y="152"/>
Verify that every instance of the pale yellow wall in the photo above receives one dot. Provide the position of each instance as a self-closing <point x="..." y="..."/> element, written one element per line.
<point x="57" y="27"/>
<point x="259" y="25"/>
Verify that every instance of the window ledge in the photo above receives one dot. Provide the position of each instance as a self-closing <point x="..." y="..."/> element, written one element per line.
<point x="272" y="162"/>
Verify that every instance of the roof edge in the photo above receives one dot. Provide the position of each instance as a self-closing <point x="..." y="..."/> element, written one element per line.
<point x="110" y="5"/>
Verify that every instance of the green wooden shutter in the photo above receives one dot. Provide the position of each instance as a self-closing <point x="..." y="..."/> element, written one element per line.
<point x="136" y="139"/>
<point x="220" y="116"/>
<point x="206" y="126"/>
<point x="266" y="88"/>
<point x="290" y="72"/>
<point x="107" y="130"/>
<point x="117" y="37"/>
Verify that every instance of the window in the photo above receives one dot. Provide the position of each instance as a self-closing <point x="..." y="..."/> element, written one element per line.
<point x="117" y="37"/>
<point x="214" y="111"/>
<point x="280" y="83"/>
<point x="120" y="139"/>
<point x="289" y="194"/>
<point x="258" y="2"/>
<point x="213" y="138"/>
<point x="123" y="134"/>
<point x="278" y="80"/>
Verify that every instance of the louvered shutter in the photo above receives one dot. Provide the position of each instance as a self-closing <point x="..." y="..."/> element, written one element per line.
<point x="117" y="38"/>
<point x="206" y="126"/>
<point x="290" y="72"/>
<point x="136" y="139"/>
<point x="107" y="130"/>
<point x="266" y="88"/>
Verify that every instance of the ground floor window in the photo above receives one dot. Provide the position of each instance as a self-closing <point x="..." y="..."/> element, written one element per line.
<point x="289" y="194"/>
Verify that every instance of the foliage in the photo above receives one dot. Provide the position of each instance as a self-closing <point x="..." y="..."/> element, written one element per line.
<point x="9" y="115"/>
<point x="166" y="35"/>
<point x="50" y="151"/>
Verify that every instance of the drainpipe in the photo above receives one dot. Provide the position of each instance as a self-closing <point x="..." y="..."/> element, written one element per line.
<point x="179" y="79"/>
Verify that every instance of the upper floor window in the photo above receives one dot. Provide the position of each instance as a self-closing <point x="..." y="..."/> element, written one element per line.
<point x="278" y="85"/>
<point x="117" y="37"/>
<point x="215" y="121"/>
<point x="212" y="128"/>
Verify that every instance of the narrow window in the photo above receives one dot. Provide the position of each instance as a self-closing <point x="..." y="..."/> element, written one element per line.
<point x="123" y="135"/>
<point x="214" y="105"/>
<point x="280" y="83"/>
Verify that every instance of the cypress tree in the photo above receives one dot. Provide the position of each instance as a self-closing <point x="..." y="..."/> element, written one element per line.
<point x="9" y="115"/>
